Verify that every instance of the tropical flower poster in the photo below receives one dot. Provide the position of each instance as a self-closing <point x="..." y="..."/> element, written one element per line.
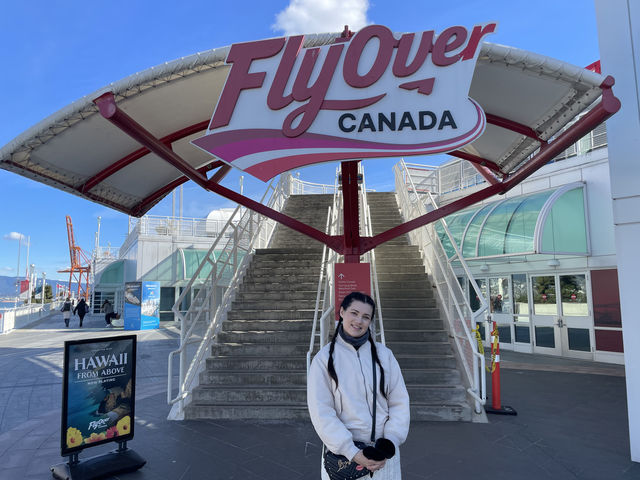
<point x="98" y="392"/>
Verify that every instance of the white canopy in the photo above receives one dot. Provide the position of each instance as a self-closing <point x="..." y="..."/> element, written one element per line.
<point x="527" y="97"/>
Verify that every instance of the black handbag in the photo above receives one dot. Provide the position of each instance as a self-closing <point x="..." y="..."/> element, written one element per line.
<point x="340" y="467"/>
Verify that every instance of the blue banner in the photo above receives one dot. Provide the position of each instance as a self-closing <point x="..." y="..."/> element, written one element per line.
<point x="132" y="305"/>
<point x="150" y="317"/>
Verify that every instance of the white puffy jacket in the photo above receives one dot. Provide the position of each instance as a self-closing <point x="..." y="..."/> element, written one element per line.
<point x="344" y="415"/>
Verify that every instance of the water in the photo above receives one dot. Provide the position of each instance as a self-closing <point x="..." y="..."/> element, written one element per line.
<point x="7" y="304"/>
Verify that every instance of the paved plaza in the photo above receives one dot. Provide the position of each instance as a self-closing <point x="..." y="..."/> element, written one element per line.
<point x="571" y="422"/>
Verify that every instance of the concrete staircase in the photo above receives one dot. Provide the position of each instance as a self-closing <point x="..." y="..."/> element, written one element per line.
<point x="257" y="368"/>
<point x="414" y="329"/>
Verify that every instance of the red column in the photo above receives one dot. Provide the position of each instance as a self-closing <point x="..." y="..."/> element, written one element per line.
<point x="351" y="217"/>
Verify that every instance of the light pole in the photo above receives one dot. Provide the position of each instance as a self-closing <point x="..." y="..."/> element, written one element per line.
<point x="15" y="302"/>
<point x="32" y="269"/>
<point x="44" y="283"/>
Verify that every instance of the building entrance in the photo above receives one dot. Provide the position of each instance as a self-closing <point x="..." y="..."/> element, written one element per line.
<point x="561" y="320"/>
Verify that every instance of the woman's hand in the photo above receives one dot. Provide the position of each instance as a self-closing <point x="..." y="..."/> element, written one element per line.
<point x="372" y="465"/>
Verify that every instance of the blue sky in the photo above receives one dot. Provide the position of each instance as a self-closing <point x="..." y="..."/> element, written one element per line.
<point x="53" y="53"/>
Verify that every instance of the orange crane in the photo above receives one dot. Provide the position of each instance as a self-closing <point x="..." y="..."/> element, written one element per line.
<point x="80" y="265"/>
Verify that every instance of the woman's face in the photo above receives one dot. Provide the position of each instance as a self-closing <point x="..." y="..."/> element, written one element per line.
<point x="356" y="318"/>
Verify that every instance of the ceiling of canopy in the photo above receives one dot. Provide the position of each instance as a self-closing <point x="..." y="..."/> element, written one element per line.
<point x="528" y="98"/>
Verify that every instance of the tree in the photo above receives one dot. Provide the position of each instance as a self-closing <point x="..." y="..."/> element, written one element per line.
<point x="48" y="295"/>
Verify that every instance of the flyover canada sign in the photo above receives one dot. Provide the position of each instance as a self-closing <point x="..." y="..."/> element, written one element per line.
<point x="377" y="94"/>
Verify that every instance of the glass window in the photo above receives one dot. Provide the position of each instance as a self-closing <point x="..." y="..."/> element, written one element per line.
<point x="522" y="225"/>
<point x="474" y="300"/>
<point x="444" y="239"/>
<point x="545" y="337"/>
<point x="522" y="329"/>
<point x="470" y="240"/>
<point x="504" y="334"/>
<point x="565" y="229"/>
<point x="520" y="294"/>
<point x="167" y="299"/>
<point x="573" y="289"/>
<point x="544" y="295"/>
<point x="499" y="295"/>
<point x="579" y="339"/>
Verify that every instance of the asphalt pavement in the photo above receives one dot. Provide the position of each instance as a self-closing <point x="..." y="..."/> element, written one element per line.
<point x="571" y="422"/>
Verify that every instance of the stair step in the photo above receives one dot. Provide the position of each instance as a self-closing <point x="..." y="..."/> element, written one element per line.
<point x="260" y="350"/>
<point x="266" y="324"/>
<point x="425" y="361"/>
<point x="420" y="348"/>
<point x="416" y="336"/>
<point x="240" y="377"/>
<point x="413" y="323"/>
<point x="305" y="304"/>
<point x="257" y="363"/>
<point x="247" y="394"/>
<point x="262" y="314"/>
<point x="247" y="412"/>
<point x="409" y="313"/>
<point x="249" y="286"/>
<point x="248" y="296"/>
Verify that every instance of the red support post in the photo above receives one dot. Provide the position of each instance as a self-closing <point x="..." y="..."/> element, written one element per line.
<point x="109" y="110"/>
<point x="350" y="209"/>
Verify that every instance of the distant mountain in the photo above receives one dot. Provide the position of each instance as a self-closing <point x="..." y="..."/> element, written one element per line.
<point x="8" y="285"/>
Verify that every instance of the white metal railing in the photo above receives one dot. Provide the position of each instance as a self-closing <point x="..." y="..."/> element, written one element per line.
<point x="226" y="260"/>
<point x="370" y="257"/>
<point x="322" y="318"/>
<point x="300" y="187"/>
<point x="24" y="315"/>
<point x="460" y="317"/>
<point x="155" y="225"/>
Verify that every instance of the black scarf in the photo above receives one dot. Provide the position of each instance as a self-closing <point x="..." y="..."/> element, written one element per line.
<point x="357" y="342"/>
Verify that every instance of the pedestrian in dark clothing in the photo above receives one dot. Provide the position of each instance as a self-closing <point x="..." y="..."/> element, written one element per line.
<point x="107" y="308"/>
<point x="66" y="311"/>
<point x="81" y="310"/>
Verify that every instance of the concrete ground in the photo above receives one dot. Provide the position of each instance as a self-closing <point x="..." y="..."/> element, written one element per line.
<point x="571" y="422"/>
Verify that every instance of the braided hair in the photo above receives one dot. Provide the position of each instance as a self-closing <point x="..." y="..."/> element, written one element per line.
<point x="346" y="302"/>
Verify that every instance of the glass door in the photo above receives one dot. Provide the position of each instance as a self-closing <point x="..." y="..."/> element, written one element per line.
<point x="522" y="315"/>
<point x="500" y="307"/>
<point x="545" y="315"/>
<point x="576" y="325"/>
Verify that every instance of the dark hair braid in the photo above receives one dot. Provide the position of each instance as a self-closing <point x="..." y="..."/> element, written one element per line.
<point x="330" y="367"/>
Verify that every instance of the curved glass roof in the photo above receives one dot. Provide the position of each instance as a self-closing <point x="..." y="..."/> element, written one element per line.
<point x="549" y="222"/>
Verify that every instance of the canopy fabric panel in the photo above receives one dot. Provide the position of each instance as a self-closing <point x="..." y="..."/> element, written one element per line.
<point x="78" y="151"/>
<point x="549" y="222"/>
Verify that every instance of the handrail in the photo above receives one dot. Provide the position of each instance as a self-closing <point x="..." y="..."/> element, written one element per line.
<point x="317" y="307"/>
<point x="456" y="302"/>
<point x="371" y="256"/>
<point x="245" y="236"/>
<point x="328" y="259"/>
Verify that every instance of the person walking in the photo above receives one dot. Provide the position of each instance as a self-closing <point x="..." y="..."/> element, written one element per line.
<point x="81" y="310"/>
<point x="107" y="308"/>
<point x="66" y="311"/>
<point x="357" y="398"/>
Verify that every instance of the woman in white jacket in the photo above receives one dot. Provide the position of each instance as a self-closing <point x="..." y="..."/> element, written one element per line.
<point x="340" y="393"/>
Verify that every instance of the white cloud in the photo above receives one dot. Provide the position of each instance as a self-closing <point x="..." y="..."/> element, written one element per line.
<point x="14" y="236"/>
<point x="6" y="269"/>
<point x="319" y="16"/>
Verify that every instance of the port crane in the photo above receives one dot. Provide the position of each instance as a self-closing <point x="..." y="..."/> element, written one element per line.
<point x="80" y="265"/>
